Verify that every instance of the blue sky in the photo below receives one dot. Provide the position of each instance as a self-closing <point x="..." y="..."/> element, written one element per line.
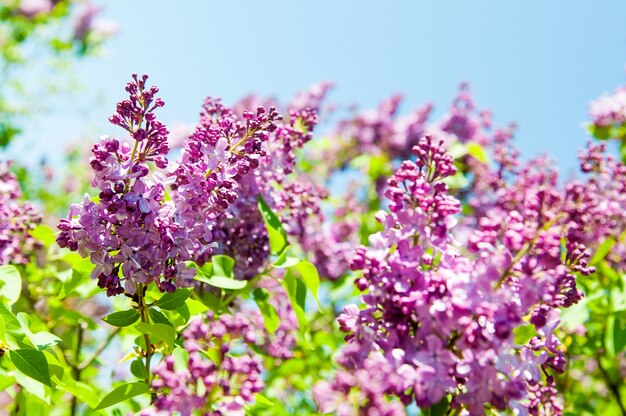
<point x="535" y="62"/>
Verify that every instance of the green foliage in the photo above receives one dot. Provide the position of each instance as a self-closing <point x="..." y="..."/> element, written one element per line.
<point x="31" y="363"/>
<point x="10" y="284"/>
<point x="275" y="230"/>
<point x="439" y="409"/>
<point x="271" y="319"/>
<point x="122" y="318"/>
<point x="122" y="393"/>
<point x="158" y="332"/>
<point x="173" y="301"/>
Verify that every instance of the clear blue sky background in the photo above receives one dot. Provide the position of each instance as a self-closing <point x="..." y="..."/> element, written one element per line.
<point x="538" y="63"/>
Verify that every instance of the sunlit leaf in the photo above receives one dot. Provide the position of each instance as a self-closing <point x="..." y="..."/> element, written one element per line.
<point x="275" y="230"/>
<point x="31" y="363"/>
<point x="122" y="318"/>
<point x="122" y="393"/>
<point x="10" y="284"/>
<point x="173" y="301"/>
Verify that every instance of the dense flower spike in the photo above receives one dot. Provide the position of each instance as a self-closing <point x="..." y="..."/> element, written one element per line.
<point x="443" y="321"/>
<point x="130" y="232"/>
<point x="17" y="220"/>
<point x="597" y="206"/>
<point x="461" y="120"/>
<point x="239" y="225"/>
<point x="222" y="150"/>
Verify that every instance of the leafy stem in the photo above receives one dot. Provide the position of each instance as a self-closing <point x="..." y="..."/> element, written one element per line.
<point x="145" y="318"/>
<point x="76" y="369"/>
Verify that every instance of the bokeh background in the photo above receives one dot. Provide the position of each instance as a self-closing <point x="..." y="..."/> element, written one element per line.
<point x="535" y="63"/>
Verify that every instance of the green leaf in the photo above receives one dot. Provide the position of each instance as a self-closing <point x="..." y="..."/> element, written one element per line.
<point x="309" y="276"/>
<point x="123" y="393"/>
<point x="576" y="315"/>
<point x="173" y="301"/>
<point x="13" y="331"/>
<point x="438" y="409"/>
<point x="122" y="318"/>
<point x="477" y="152"/>
<point x="83" y="391"/>
<point x="297" y="295"/>
<point x="260" y="399"/>
<point x="602" y="251"/>
<point x="138" y="369"/>
<point x="618" y="298"/>
<point x="456" y="181"/>
<point x="284" y="262"/>
<point x="10" y="283"/>
<point x="523" y="333"/>
<point x="619" y="333"/>
<point x="30" y="404"/>
<point x="210" y="300"/>
<point x="457" y="150"/>
<point x="223" y="265"/>
<point x="158" y="317"/>
<point x="31" y="363"/>
<point x="41" y="339"/>
<point x="196" y="307"/>
<point x="33" y="386"/>
<point x="222" y="282"/>
<point x="160" y="332"/>
<point x="601" y="132"/>
<point x="43" y="233"/>
<point x="271" y="320"/>
<point x="181" y="359"/>
<point x="275" y="230"/>
<point x="81" y="273"/>
<point x="184" y="313"/>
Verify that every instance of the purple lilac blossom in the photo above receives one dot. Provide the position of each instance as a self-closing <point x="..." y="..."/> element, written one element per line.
<point x="443" y="319"/>
<point x="17" y="220"/>
<point x="609" y="109"/>
<point x="133" y="233"/>
<point x="220" y="387"/>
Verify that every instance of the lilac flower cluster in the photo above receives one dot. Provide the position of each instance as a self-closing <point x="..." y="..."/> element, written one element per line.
<point x="128" y="232"/>
<point x="462" y="120"/>
<point x="214" y="160"/>
<point x="597" y="205"/>
<point x="241" y="227"/>
<point x="391" y="137"/>
<point x="384" y="132"/>
<point x="330" y="241"/>
<point x="17" y="220"/>
<point x="221" y="385"/>
<point x="609" y="110"/>
<point x="33" y="8"/>
<point x="444" y="320"/>
<point x="377" y="132"/>
<point x="360" y="388"/>
<point x="132" y="233"/>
